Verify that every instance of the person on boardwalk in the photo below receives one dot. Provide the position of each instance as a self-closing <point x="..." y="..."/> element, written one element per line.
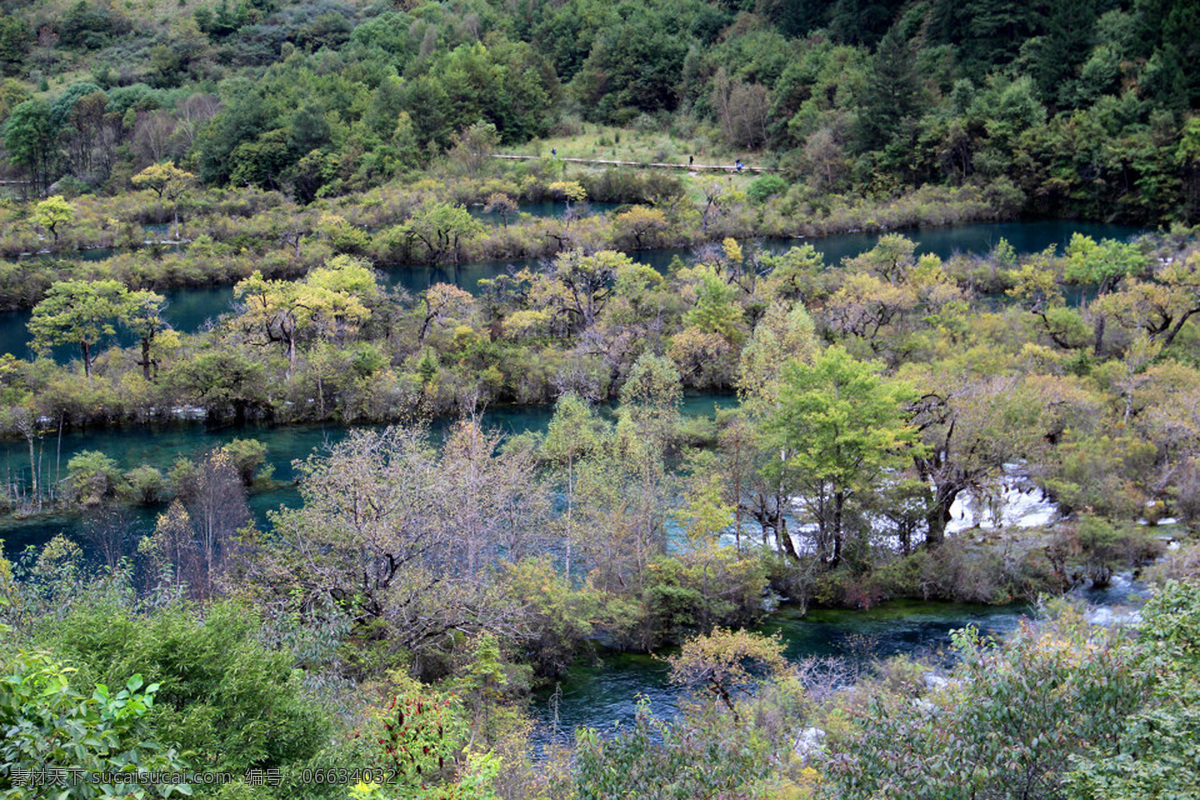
<point x="691" y="160"/>
<point x="738" y="165"/>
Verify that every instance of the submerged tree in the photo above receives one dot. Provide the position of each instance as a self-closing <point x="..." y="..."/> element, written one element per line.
<point x="81" y="313"/>
<point x="167" y="181"/>
<point x="142" y="314"/>
<point x="399" y="536"/>
<point x="195" y="537"/>
<point x="728" y="663"/>
<point x="572" y="436"/>
<point x="843" y="428"/>
<point x="971" y="429"/>
<point x="441" y="229"/>
<point x="330" y="302"/>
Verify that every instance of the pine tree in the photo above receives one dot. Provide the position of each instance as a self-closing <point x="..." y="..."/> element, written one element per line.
<point x="891" y="93"/>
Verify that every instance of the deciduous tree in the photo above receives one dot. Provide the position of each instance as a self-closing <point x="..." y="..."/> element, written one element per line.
<point x="843" y="428"/>
<point x="167" y="181"/>
<point x="53" y="212"/>
<point x="81" y="313"/>
<point x="574" y="434"/>
<point x="727" y="663"/>
<point x="142" y="314"/>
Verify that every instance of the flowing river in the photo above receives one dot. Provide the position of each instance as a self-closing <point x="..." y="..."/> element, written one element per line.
<point x="603" y="692"/>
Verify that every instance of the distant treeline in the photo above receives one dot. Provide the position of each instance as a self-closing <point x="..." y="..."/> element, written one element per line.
<point x="1086" y="108"/>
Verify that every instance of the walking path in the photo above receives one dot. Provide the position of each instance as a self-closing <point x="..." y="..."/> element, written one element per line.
<point x="657" y="164"/>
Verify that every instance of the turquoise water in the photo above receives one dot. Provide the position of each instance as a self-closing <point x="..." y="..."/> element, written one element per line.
<point x="596" y="694"/>
<point x="188" y="310"/>
<point x="191" y="309"/>
<point x="603" y="693"/>
<point x="160" y="445"/>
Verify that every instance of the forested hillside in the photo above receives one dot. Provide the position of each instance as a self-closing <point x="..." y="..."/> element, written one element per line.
<point x="1080" y="108"/>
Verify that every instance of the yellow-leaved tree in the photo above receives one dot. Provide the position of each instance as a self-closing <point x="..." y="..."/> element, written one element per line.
<point x="167" y="181"/>
<point x="331" y="303"/>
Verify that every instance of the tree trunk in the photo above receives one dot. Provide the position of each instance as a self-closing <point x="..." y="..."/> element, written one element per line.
<point x="146" y="358"/>
<point x="570" y="505"/>
<point x="723" y="693"/>
<point x="33" y="470"/>
<point x="1174" y="331"/>
<point x="87" y="359"/>
<point x="41" y="452"/>
<point x="839" y="503"/>
<point x="938" y="515"/>
<point x="58" y="455"/>
<point x="936" y="519"/>
<point x="782" y="537"/>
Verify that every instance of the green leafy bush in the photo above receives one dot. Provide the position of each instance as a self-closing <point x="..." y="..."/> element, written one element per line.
<point x="765" y="187"/>
<point x="653" y="760"/>
<point x="222" y="695"/>
<point x="145" y="485"/>
<point x="49" y="724"/>
<point x="92" y="477"/>
<point x="1158" y="753"/>
<point x="1007" y="726"/>
<point x="249" y="457"/>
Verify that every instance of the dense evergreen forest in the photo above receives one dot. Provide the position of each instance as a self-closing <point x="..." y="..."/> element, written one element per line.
<point x="270" y="215"/>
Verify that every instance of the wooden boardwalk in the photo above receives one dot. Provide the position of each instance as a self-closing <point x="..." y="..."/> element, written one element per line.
<point x="654" y="164"/>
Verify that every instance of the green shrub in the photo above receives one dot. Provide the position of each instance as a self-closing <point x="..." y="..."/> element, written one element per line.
<point x="1158" y="755"/>
<point x="145" y="485"/>
<point x="765" y="187"/>
<point x="706" y="755"/>
<point x="558" y="618"/>
<point x="1006" y="727"/>
<point x="222" y="695"/>
<point x="92" y="477"/>
<point x="697" y="590"/>
<point x="249" y="457"/>
<point x="367" y="359"/>
<point x="1105" y="547"/>
<point x="49" y="724"/>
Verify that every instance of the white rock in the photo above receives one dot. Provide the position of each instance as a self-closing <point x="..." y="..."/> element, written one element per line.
<point x="934" y="681"/>
<point x="1109" y="617"/>
<point x="923" y="705"/>
<point x="808" y="743"/>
